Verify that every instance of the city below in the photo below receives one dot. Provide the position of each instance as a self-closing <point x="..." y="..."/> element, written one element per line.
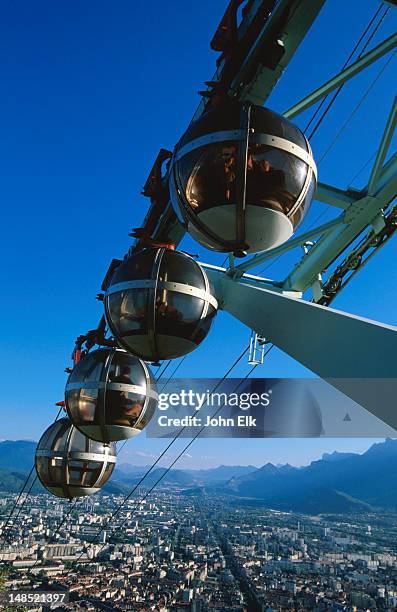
<point x="180" y="552"/>
<point x="194" y="549"/>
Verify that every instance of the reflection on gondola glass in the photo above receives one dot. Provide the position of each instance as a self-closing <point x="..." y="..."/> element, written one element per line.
<point x="110" y="395"/>
<point x="167" y="313"/>
<point x="258" y="176"/>
<point x="69" y="464"/>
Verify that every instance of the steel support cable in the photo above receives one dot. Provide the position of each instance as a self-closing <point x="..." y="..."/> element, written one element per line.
<point x="21" y="492"/>
<point x="178" y="365"/>
<point x="17" y="501"/>
<point x="72" y="506"/>
<point x="361" y="169"/>
<point x="135" y="487"/>
<point x="160" y="374"/>
<point x="358" y="105"/>
<point x="342" y="85"/>
<point x="339" y="89"/>
<point x="374" y="32"/>
<point x="344" y="66"/>
<point x="187" y="446"/>
<point x="121" y="447"/>
<point x="7" y="535"/>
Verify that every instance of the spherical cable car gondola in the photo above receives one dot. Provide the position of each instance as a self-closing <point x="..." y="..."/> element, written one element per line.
<point x="69" y="464"/>
<point x="159" y="304"/>
<point x="110" y="395"/>
<point x="242" y="178"/>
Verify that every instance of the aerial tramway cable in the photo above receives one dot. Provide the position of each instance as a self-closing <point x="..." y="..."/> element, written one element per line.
<point x="3" y="532"/>
<point x="178" y="365"/>
<point x="187" y="446"/>
<point x="358" y="105"/>
<point x="114" y="514"/>
<point x="339" y="89"/>
<point x="16" y="502"/>
<point x="164" y="369"/>
<point x="127" y="497"/>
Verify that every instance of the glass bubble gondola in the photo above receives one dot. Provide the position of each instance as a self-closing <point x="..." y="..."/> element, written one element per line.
<point x="69" y="464"/>
<point x="159" y="305"/>
<point x="110" y="395"/>
<point x="242" y="179"/>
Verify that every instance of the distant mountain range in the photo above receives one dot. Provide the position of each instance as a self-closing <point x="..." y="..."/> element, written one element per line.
<point x="338" y="482"/>
<point x="128" y="474"/>
<point x="17" y="455"/>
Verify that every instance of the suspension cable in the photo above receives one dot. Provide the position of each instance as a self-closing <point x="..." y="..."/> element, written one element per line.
<point x="339" y="89"/>
<point x="7" y="535"/>
<point x="178" y="365"/>
<point x="127" y="497"/>
<point x="16" y="502"/>
<point x="343" y="67"/>
<point x="160" y="374"/>
<point x="358" y="105"/>
<point x="3" y="531"/>
<point x="138" y="502"/>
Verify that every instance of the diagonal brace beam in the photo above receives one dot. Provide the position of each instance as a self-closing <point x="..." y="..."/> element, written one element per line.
<point x="336" y="197"/>
<point x="343" y="76"/>
<point x="383" y="148"/>
<point x="292" y="243"/>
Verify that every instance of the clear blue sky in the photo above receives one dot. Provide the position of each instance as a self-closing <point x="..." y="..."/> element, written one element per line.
<point x="90" y="92"/>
